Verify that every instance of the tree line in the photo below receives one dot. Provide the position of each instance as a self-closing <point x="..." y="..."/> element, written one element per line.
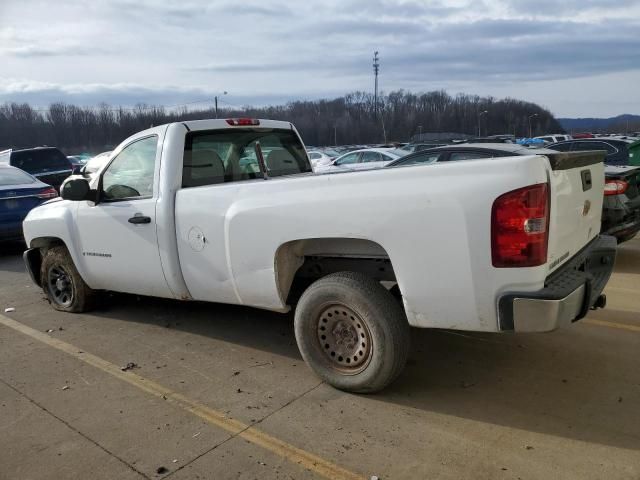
<point x="355" y="118"/>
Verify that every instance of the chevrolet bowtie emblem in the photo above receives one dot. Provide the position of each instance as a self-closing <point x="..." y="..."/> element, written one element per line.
<point x="586" y="208"/>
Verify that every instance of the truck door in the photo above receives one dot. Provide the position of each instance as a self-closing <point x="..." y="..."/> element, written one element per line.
<point x="118" y="235"/>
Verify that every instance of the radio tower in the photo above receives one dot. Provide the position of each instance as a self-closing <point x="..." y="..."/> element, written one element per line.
<point x="376" y="68"/>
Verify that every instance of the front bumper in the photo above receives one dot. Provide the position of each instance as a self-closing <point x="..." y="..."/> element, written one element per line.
<point x="568" y="293"/>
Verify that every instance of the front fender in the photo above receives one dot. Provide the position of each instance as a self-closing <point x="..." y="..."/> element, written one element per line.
<point x="54" y="223"/>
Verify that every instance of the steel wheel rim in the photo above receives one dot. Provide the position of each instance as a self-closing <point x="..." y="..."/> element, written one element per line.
<point x="344" y="338"/>
<point x="60" y="286"/>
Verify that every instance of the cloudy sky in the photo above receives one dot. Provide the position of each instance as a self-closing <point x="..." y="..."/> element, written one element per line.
<point x="575" y="57"/>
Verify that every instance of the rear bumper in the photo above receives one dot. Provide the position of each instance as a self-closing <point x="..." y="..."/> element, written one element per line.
<point x="568" y="293"/>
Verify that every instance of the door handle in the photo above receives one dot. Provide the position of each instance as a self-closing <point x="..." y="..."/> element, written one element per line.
<point x="139" y="219"/>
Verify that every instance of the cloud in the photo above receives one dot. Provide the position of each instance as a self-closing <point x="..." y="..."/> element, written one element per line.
<point x="38" y="50"/>
<point x="130" y="51"/>
<point x="42" y="94"/>
<point x="555" y="8"/>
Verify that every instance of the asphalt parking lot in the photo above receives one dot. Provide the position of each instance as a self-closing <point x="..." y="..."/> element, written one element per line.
<point x="216" y="392"/>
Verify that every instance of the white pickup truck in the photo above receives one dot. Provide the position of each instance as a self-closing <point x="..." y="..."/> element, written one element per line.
<point x="229" y="211"/>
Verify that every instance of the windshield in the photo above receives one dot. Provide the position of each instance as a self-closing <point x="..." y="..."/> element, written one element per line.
<point x="13" y="176"/>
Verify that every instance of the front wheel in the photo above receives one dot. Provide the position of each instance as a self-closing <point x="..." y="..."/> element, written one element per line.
<point x="62" y="284"/>
<point x="352" y="332"/>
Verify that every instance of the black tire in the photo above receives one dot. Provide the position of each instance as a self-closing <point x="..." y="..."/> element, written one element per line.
<point x="62" y="284"/>
<point x="340" y="308"/>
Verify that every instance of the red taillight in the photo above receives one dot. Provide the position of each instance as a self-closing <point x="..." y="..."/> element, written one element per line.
<point x="615" y="187"/>
<point x="49" y="192"/>
<point x="519" y="227"/>
<point x="243" y="121"/>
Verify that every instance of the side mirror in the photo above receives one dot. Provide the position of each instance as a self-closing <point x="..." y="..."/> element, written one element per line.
<point x="77" y="189"/>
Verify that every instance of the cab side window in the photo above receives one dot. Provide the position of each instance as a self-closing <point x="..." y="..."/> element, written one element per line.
<point x="130" y="174"/>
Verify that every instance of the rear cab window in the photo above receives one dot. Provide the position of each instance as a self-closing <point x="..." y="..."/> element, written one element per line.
<point x="220" y="156"/>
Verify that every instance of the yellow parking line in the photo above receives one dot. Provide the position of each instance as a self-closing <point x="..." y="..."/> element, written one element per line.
<point x="604" y="323"/>
<point x="283" y="449"/>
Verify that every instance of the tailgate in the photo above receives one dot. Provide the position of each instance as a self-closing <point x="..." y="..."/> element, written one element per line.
<point x="577" y="191"/>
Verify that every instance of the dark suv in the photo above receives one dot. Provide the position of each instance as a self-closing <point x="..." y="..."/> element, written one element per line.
<point x="47" y="164"/>
<point x="617" y="149"/>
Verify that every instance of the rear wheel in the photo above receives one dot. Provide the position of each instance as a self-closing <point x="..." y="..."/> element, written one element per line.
<point x="62" y="284"/>
<point x="352" y="332"/>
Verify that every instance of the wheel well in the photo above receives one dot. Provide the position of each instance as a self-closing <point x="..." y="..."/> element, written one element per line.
<point x="33" y="256"/>
<point x="300" y="262"/>
<point x="46" y="242"/>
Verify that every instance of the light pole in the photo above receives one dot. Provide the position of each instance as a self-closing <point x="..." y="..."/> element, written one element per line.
<point x="530" y="117"/>
<point x="479" y="120"/>
<point x="216" y="102"/>
<point x="376" y="69"/>
<point x="420" y="134"/>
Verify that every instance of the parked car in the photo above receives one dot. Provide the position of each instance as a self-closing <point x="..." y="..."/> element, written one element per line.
<point x="94" y="164"/>
<point x="634" y="153"/>
<point x="90" y="169"/>
<point x="467" y="151"/>
<point x="363" y="159"/>
<point x="621" y="209"/>
<point x="469" y="245"/>
<point x="19" y="193"/>
<point x="621" y="204"/>
<point x="498" y="139"/>
<point x="318" y="158"/>
<point x="416" y="147"/>
<point x="581" y="135"/>
<point x="557" y="137"/>
<point x="77" y="162"/>
<point x="617" y="148"/>
<point x="47" y="164"/>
